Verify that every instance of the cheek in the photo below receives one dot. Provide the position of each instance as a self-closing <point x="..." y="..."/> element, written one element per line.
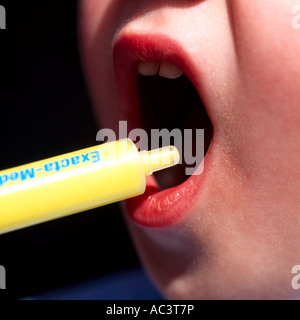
<point x="97" y="27"/>
<point x="268" y="117"/>
<point x="91" y="13"/>
<point x="268" y="49"/>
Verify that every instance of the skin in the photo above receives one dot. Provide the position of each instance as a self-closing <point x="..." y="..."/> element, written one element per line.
<point x="241" y="238"/>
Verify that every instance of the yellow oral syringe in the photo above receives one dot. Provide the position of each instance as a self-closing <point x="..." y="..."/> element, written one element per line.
<point x="77" y="181"/>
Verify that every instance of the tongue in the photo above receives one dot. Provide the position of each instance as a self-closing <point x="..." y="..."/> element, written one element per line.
<point x="173" y="104"/>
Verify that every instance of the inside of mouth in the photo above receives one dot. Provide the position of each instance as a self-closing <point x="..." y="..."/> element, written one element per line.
<point x="174" y="104"/>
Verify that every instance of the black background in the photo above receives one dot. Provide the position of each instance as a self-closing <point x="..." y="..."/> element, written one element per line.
<point x="46" y="111"/>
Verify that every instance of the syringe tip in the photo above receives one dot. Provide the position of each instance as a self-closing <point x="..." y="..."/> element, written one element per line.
<point x="159" y="159"/>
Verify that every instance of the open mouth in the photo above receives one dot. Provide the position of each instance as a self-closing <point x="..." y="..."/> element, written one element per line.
<point x="168" y="100"/>
<point x="153" y="77"/>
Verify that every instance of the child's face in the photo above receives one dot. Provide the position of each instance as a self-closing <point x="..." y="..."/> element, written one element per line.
<point x="234" y="231"/>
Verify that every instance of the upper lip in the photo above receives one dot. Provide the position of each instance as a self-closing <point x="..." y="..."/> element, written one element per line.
<point x="163" y="208"/>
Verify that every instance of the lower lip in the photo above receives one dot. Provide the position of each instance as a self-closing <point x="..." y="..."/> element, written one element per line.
<point x="164" y="208"/>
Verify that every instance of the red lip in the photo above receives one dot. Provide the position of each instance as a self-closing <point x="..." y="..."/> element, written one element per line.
<point x="155" y="208"/>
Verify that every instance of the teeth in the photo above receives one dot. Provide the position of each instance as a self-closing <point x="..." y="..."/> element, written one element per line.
<point x="164" y="69"/>
<point x="170" y="71"/>
<point x="148" y="68"/>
